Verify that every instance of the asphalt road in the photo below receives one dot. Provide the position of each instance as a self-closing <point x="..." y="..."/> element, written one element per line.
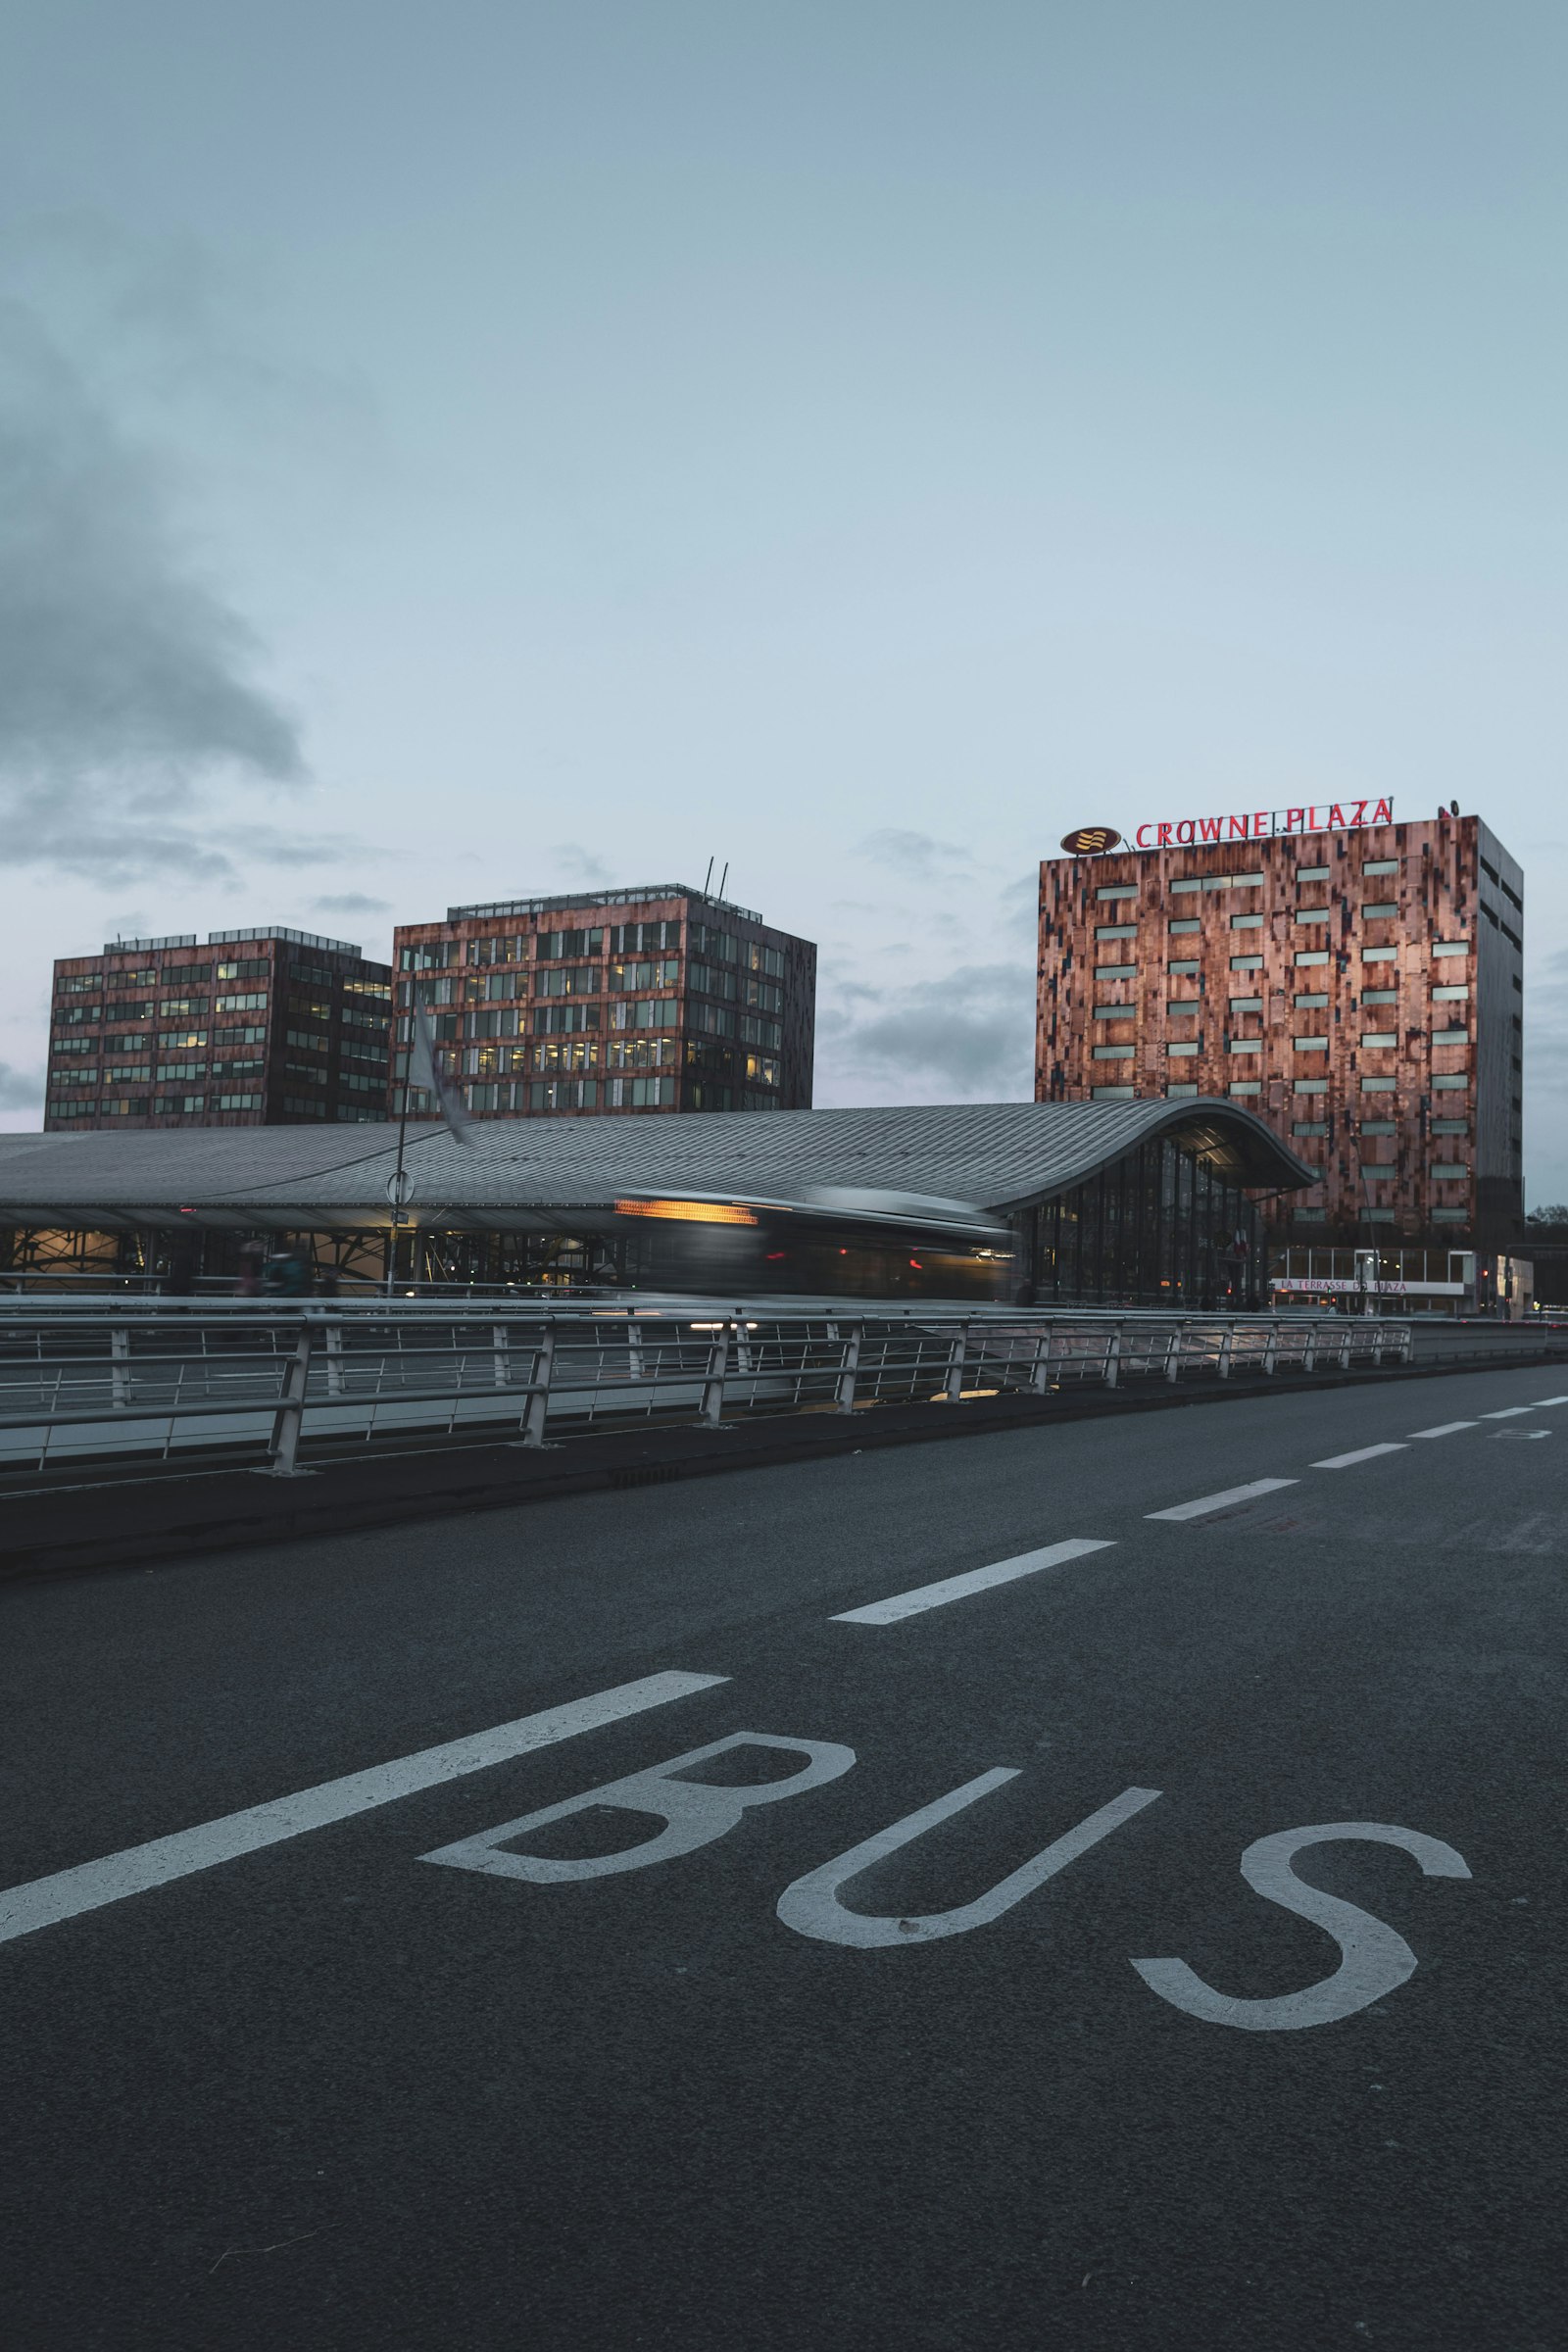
<point x="765" y="2087"/>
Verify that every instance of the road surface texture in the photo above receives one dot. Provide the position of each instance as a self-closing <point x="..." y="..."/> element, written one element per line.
<point x="1123" y="1908"/>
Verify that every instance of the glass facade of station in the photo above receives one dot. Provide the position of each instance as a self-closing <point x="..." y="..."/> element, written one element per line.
<point x="1165" y="1225"/>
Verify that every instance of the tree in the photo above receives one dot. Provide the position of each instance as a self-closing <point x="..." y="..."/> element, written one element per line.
<point x="1555" y="1214"/>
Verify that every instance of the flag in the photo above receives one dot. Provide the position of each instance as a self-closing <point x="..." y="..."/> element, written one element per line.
<point x="425" y="1070"/>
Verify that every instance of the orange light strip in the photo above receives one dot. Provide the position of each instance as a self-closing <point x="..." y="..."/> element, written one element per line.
<point x="686" y="1213"/>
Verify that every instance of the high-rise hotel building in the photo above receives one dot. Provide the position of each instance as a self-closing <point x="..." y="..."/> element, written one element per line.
<point x="1358" y="986"/>
<point x="657" y="999"/>
<point x="259" y="1028"/>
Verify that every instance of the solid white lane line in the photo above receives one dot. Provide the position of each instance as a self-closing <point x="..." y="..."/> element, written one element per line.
<point x="977" y="1580"/>
<point x="1363" y="1453"/>
<point x="1217" y="1502"/>
<point x="44" y="1902"/>
<point x="1444" y="1429"/>
<point x="1507" y="1412"/>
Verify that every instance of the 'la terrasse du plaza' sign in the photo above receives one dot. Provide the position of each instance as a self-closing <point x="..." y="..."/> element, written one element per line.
<point x="1263" y="824"/>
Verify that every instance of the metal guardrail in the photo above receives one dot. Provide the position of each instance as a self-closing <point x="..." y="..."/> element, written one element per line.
<point x="109" y="1379"/>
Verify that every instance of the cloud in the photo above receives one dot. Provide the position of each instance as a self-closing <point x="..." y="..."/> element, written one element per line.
<point x="127" y="680"/>
<point x="352" y="902"/>
<point x="968" y="1037"/>
<point x="21" y="1090"/>
<point x="580" y="864"/>
<point x="920" y="856"/>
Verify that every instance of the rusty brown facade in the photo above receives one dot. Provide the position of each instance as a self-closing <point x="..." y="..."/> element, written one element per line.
<point x="664" y="998"/>
<point x="262" y="1028"/>
<point x="1360" y="990"/>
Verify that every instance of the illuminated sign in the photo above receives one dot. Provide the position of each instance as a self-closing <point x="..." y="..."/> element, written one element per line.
<point x="1262" y="824"/>
<point x="1090" y="840"/>
<point x="686" y="1213"/>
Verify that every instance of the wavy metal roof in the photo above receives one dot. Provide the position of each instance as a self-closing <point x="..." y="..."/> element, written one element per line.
<point x="960" y="1156"/>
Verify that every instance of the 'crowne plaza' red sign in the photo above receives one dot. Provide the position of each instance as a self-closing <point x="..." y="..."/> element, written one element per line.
<point x="1263" y="824"/>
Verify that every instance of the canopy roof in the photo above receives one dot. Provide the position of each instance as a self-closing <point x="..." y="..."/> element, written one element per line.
<point x="952" y="1164"/>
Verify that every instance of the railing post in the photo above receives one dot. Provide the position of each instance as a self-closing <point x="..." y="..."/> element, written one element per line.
<point x="956" y="1356"/>
<point x="1173" y="1353"/>
<point x="1309" y="1351"/>
<point x="848" y="1366"/>
<point x="1113" y="1357"/>
<point x="500" y="1344"/>
<point x="1227" y="1342"/>
<point x="713" y="1406"/>
<point x="285" y="1443"/>
<point x="1271" y="1348"/>
<point x="634" y="1347"/>
<point x="334" y="1359"/>
<point x="1040" y="1377"/>
<point x="537" y="1411"/>
<point x="119" y="1377"/>
<point x="1345" y="1345"/>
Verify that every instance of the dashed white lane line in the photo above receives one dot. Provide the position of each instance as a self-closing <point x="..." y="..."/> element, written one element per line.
<point x="1542" y="1402"/>
<point x="1507" y="1412"/>
<point x="977" y="1580"/>
<point x="44" y="1902"/>
<point x="1217" y="1502"/>
<point x="1363" y="1453"/>
<point x="1444" y="1429"/>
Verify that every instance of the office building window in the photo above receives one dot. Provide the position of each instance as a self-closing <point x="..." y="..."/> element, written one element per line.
<point x="1246" y="1045"/>
<point x="1112" y="1094"/>
<point x="1311" y="914"/>
<point x="1188" y="922"/>
<point x="1177" y="889"/>
<point x="1310" y="1045"/>
<point x="1248" y="963"/>
<point x="1450" y="1216"/>
<point x="1172" y="1092"/>
<point x="1451" y="995"/>
<point x="1452" y="1082"/>
<point x="1117" y="971"/>
<point x="1378" y="1127"/>
<point x="1451" y="1037"/>
<point x="1311" y="873"/>
<point x="1309" y="1127"/>
<point x="1311" y="1086"/>
<point x="1310" y="1003"/>
<point x="1450" y="1126"/>
<point x="1377" y="1086"/>
<point x="1379" y="1039"/>
<point x="1176" y="1052"/>
<point x="1380" y="995"/>
<point x="1381" y="911"/>
<point x="1115" y="1012"/>
<point x="1246" y="1004"/>
<point x="1380" y="865"/>
<point x="1117" y="890"/>
<point x="1118" y="930"/>
<point x="1247" y="922"/>
<point x="1449" y="1171"/>
<point x="1451" y="947"/>
<point x="1311" y="956"/>
<point x="1184" y="971"/>
<point x="1377" y="1216"/>
<point x="1245" y="1086"/>
<point x="1113" y="1052"/>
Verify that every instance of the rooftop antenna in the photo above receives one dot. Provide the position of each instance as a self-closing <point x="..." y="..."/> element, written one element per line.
<point x="707" y="878"/>
<point x="723" y="879"/>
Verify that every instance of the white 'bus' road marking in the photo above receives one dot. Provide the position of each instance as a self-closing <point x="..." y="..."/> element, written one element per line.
<point x="1522" y="1436"/>
<point x="1217" y="1502"/>
<point x="978" y="1580"/>
<point x="44" y="1902"/>
<point x="1363" y="1453"/>
<point x="1444" y="1429"/>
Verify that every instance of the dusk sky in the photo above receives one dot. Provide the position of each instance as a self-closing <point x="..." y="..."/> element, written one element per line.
<point x="459" y="452"/>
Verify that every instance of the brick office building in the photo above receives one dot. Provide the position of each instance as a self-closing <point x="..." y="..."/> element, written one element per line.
<point x="1358" y="986"/>
<point x="655" y="1000"/>
<point x="259" y="1028"/>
